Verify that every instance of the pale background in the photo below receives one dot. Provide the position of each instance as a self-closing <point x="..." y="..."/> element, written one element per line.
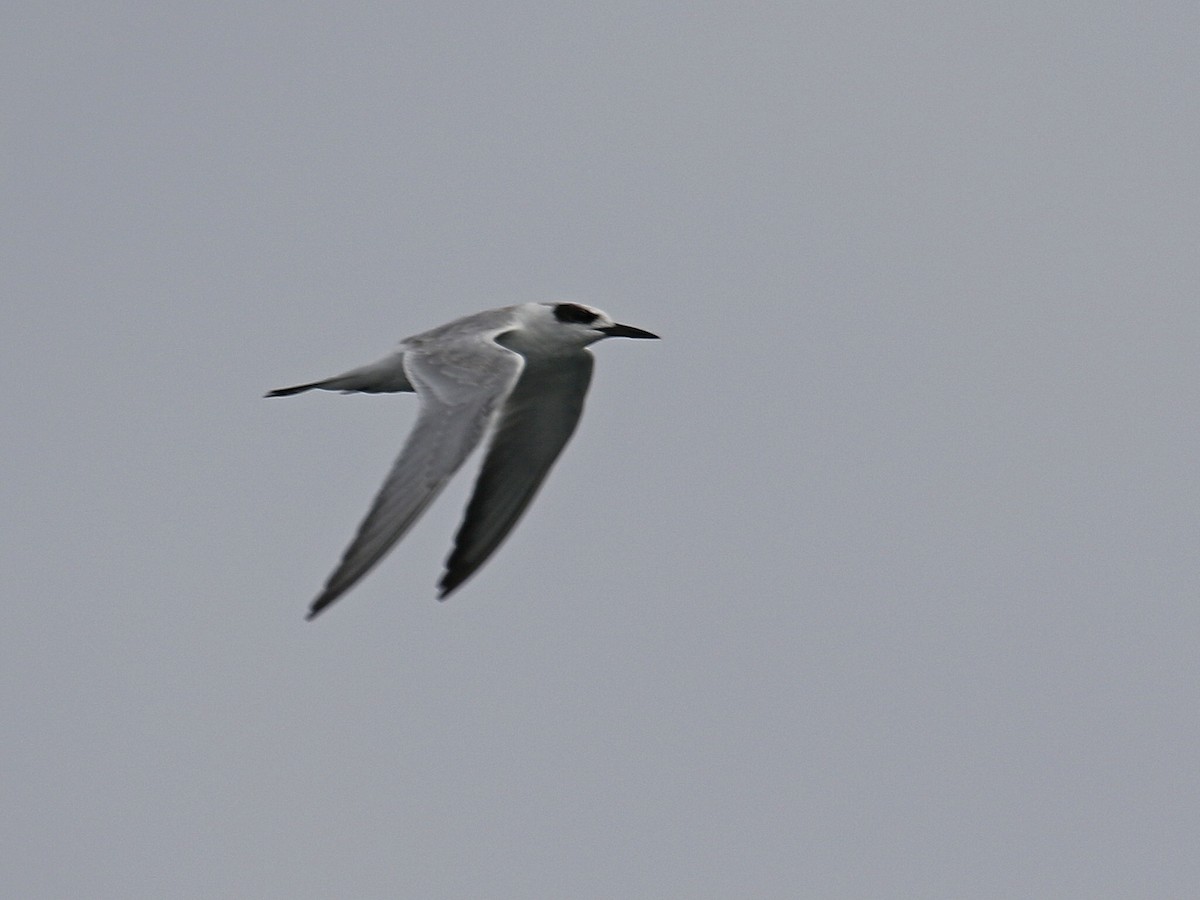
<point x="877" y="577"/>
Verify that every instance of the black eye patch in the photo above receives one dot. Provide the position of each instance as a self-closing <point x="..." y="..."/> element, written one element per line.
<point x="573" y="312"/>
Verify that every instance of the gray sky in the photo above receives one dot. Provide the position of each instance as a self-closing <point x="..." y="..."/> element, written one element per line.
<point x="877" y="577"/>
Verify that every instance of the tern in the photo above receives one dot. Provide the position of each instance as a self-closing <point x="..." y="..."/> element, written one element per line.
<point x="520" y="372"/>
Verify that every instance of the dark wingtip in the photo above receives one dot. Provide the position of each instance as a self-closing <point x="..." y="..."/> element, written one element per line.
<point x="315" y="610"/>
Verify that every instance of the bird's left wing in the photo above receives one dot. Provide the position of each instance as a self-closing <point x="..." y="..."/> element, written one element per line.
<point x="460" y="384"/>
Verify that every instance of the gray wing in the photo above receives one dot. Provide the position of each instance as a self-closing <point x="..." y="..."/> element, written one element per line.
<point x="460" y="386"/>
<point x="534" y="425"/>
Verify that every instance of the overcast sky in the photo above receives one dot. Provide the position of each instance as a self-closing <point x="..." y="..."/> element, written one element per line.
<point x="876" y="577"/>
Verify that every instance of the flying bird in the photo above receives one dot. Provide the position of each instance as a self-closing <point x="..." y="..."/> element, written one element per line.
<point x="520" y="371"/>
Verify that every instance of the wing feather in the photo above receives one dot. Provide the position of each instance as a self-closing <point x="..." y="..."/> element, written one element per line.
<point x="459" y="388"/>
<point x="534" y="425"/>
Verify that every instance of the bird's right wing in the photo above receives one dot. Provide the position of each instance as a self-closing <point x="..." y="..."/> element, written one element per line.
<point x="537" y="419"/>
<point x="460" y="385"/>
